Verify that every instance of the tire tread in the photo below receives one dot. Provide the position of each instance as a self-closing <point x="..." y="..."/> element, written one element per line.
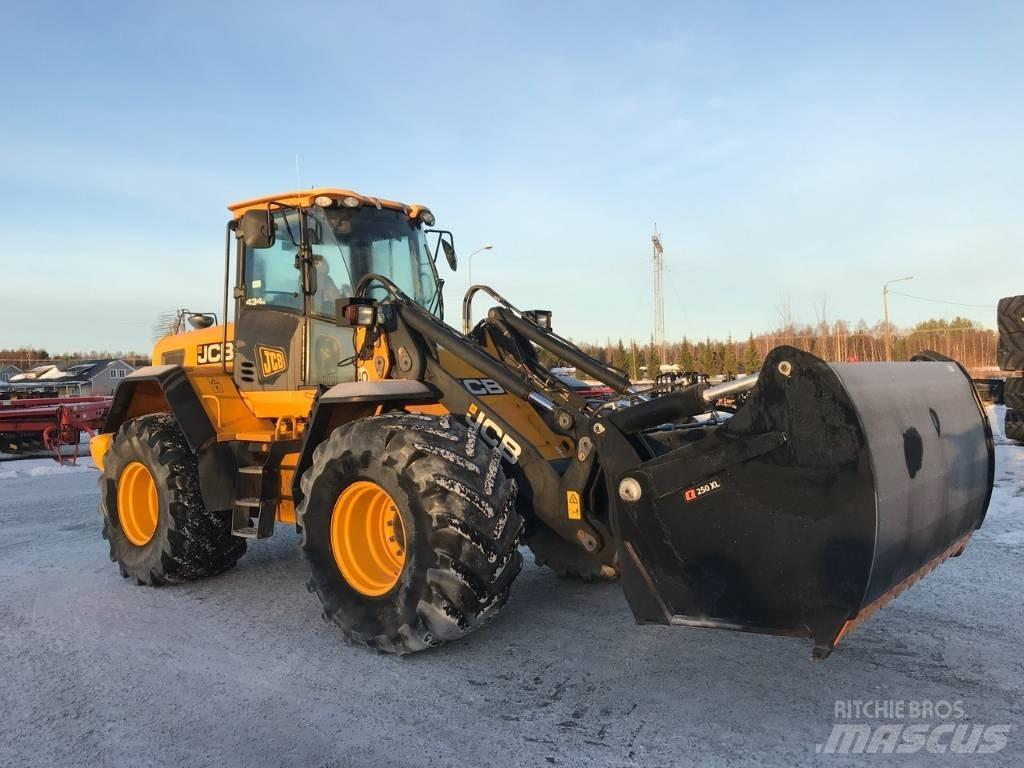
<point x="198" y="542"/>
<point x="474" y="527"/>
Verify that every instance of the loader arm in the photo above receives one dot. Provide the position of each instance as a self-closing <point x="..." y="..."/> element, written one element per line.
<point x="552" y="491"/>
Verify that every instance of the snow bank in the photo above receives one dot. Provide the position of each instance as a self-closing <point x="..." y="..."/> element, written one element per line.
<point x="43" y="467"/>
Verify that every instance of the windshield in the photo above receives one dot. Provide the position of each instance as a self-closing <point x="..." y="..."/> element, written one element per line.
<point x="346" y="243"/>
<point x="349" y="243"/>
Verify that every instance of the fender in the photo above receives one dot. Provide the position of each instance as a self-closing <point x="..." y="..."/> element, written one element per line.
<point x="163" y="388"/>
<point x="347" y="402"/>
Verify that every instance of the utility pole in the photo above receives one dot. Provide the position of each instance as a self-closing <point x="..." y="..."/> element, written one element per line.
<point x="885" y="309"/>
<point x="486" y="247"/>
<point x="659" y="294"/>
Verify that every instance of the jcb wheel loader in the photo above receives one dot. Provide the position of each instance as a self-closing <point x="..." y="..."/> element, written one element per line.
<point x="414" y="458"/>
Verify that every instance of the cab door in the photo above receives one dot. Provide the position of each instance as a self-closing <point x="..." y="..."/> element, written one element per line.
<point x="285" y="334"/>
<point x="329" y="352"/>
<point x="270" y="312"/>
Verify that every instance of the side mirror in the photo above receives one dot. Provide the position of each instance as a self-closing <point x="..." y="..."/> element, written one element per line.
<point x="256" y="229"/>
<point x="200" y="320"/>
<point x="446" y="241"/>
<point x="449" y="252"/>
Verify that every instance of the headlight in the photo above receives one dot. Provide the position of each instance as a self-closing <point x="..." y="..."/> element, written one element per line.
<point x="541" y="317"/>
<point x="356" y="312"/>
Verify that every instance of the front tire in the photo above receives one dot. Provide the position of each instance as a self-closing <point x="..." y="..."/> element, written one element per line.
<point x="457" y="553"/>
<point x="159" y="530"/>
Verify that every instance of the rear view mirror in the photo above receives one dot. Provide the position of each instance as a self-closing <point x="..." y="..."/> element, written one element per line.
<point x="445" y="241"/>
<point x="449" y="253"/>
<point x="200" y="320"/>
<point x="256" y="229"/>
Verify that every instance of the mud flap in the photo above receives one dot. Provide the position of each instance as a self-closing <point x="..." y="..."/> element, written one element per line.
<point x="834" y="488"/>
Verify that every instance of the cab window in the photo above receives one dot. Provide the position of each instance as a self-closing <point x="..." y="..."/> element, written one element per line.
<point x="351" y="243"/>
<point x="271" y="278"/>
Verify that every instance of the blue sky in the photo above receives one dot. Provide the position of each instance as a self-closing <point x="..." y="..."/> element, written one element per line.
<point x="796" y="152"/>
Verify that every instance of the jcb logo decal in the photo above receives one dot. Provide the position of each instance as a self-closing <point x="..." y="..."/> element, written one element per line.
<point x="211" y="353"/>
<point x="272" y="361"/>
<point x="492" y="434"/>
<point x="482" y="387"/>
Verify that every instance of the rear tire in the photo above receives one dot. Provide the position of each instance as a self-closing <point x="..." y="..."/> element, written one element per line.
<point x="1010" y="314"/>
<point x="458" y="518"/>
<point x="184" y="540"/>
<point x="1010" y="351"/>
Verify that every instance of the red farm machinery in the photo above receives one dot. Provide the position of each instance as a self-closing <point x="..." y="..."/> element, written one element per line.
<point x="31" y="426"/>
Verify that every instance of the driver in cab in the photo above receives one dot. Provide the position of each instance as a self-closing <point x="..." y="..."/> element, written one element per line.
<point x="326" y="289"/>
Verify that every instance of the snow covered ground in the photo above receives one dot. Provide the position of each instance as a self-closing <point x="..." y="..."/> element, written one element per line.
<point x="239" y="670"/>
<point x="1004" y="524"/>
<point x="41" y="467"/>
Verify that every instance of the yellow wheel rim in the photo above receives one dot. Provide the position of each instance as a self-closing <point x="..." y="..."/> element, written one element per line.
<point x="368" y="538"/>
<point x="138" y="506"/>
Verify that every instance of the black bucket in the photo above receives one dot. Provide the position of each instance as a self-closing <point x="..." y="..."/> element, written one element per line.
<point x="833" y="489"/>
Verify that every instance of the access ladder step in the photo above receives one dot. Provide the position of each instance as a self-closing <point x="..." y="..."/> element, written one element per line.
<point x="258" y="490"/>
<point x="249" y="509"/>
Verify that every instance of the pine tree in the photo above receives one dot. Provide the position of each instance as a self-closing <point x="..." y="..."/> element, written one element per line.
<point x="686" y="357"/>
<point x="730" y="363"/>
<point x="621" y="358"/>
<point x="706" y="356"/>
<point x="751" y="358"/>
<point x="653" y="357"/>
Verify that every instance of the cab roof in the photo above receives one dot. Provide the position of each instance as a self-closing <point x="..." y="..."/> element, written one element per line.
<point x="304" y="199"/>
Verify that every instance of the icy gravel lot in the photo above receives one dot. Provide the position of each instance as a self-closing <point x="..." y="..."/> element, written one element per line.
<point x="240" y="670"/>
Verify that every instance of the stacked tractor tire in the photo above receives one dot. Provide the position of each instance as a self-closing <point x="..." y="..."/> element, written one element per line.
<point x="1010" y="356"/>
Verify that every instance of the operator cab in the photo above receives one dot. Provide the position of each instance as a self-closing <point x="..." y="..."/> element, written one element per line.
<point x="298" y="253"/>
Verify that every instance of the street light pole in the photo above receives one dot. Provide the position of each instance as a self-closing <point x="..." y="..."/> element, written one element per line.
<point x="885" y="307"/>
<point x="486" y="247"/>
